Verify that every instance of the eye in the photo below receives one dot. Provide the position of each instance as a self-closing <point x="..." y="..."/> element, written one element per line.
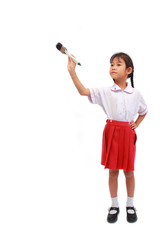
<point x="119" y="64"/>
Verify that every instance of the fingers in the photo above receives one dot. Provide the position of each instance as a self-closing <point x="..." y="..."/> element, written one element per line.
<point x="71" y="63"/>
<point x="70" y="59"/>
<point x="133" y="125"/>
<point x="73" y="55"/>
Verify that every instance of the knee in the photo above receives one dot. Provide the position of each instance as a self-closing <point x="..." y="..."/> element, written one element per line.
<point x="129" y="174"/>
<point x="113" y="173"/>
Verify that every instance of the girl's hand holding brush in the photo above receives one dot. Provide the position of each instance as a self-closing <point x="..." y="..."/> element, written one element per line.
<point x="71" y="64"/>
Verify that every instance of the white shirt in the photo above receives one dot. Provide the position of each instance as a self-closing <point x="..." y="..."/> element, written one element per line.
<point x="118" y="104"/>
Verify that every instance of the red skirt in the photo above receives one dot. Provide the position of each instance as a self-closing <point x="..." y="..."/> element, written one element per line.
<point x="118" y="146"/>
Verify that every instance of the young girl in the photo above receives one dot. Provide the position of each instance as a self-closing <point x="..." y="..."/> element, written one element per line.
<point x="121" y="103"/>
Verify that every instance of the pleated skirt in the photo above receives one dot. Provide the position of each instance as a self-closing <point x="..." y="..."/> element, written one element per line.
<point x="118" y="146"/>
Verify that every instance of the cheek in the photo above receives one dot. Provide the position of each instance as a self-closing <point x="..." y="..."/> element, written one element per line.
<point x="110" y="70"/>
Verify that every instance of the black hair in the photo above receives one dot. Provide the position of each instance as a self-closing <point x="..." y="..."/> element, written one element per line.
<point x="128" y="62"/>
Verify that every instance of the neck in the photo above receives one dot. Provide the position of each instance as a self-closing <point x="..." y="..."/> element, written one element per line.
<point x="121" y="83"/>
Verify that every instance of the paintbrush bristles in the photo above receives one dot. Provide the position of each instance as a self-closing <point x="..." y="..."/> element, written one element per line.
<point x="60" y="47"/>
<point x="62" y="50"/>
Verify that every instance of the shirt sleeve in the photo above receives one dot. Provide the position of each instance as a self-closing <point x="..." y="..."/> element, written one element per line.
<point x="95" y="97"/>
<point x="142" y="106"/>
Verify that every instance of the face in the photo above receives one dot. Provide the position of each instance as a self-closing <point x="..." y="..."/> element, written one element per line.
<point x="118" y="70"/>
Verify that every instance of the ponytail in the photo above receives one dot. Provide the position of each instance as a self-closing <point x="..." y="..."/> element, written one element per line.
<point x="132" y="82"/>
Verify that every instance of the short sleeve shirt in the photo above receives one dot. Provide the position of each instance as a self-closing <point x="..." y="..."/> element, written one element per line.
<point x="118" y="104"/>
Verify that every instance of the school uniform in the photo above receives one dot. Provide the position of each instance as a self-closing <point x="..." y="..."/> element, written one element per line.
<point x="119" y="140"/>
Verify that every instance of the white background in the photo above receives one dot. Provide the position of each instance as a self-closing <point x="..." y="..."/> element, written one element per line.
<point x="52" y="185"/>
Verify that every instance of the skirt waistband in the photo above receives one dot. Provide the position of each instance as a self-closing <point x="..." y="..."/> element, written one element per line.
<point x="117" y="123"/>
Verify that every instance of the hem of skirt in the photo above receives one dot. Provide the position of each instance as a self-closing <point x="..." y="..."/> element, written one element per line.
<point x="117" y="168"/>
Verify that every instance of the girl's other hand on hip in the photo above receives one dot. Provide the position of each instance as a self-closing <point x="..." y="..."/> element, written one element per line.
<point x="133" y="125"/>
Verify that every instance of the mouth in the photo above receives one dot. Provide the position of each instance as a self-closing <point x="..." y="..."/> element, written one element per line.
<point x="113" y="72"/>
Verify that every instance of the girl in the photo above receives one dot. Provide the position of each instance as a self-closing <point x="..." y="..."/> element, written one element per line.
<point x="121" y="103"/>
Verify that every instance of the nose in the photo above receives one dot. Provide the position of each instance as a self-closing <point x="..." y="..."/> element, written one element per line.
<point x="113" y="67"/>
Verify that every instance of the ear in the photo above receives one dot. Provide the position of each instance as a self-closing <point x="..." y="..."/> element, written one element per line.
<point x="129" y="70"/>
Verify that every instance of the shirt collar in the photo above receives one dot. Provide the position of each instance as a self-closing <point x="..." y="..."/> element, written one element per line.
<point x="128" y="89"/>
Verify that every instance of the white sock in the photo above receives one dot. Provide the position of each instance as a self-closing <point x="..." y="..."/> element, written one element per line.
<point x="130" y="204"/>
<point x="114" y="204"/>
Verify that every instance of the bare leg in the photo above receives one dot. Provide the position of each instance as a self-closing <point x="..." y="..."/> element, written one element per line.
<point x="113" y="182"/>
<point x="130" y="183"/>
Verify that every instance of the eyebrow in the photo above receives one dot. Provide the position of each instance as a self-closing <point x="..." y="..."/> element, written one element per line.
<point x="116" y="62"/>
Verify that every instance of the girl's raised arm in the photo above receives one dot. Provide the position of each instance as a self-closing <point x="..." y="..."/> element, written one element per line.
<point x="71" y="69"/>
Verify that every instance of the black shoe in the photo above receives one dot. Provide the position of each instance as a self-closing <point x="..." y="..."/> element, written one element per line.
<point x="131" y="218"/>
<point x="112" y="218"/>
